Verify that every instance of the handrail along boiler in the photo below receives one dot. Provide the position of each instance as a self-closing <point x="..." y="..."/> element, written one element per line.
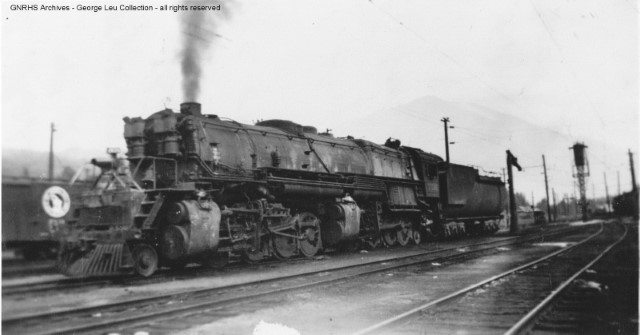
<point x="199" y="188"/>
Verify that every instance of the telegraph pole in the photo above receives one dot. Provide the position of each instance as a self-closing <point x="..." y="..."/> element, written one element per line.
<point x="546" y="187"/>
<point x="533" y="203"/>
<point x="618" y="182"/>
<point x="634" y="188"/>
<point x="606" y="190"/>
<point x="555" y="206"/>
<point x="512" y="161"/>
<point x="633" y="173"/>
<point x="446" y="137"/>
<point x="446" y="146"/>
<point x="51" y="153"/>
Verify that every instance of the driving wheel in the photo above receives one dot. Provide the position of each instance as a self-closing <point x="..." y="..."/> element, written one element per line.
<point x="309" y="232"/>
<point x="404" y="236"/>
<point x="389" y="238"/>
<point x="283" y="246"/>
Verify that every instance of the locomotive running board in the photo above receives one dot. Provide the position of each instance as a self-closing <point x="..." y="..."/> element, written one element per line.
<point x="105" y="259"/>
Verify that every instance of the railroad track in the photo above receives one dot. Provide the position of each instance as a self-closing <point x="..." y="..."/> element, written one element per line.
<point x="19" y="268"/>
<point x="495" y="304"/>
<point x="133" y="312"/>
<point x="585" y="302"/>
<point x="65" y="284"/>
<point x="59" y="285"/>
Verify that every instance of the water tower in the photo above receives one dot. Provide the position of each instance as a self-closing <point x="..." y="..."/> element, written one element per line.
<point x="582" y="172"/>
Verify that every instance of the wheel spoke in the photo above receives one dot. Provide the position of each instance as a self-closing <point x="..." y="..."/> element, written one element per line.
<point x="389" y="237"/>
<point x="309" y="232"/>
<point x="404" y="236"/>
<point x="417" y="236"/>
<point x="284" y="246"/>
<point x="145" y="260"/>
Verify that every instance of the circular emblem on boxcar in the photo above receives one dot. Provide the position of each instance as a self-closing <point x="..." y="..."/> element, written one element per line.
<point x="56" y="201"/>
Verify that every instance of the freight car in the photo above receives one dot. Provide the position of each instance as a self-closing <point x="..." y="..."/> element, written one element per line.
<point x="33" y="215"/>
<point x="200" y="188"/>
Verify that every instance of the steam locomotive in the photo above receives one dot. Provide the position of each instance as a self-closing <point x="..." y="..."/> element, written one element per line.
<point x="199" y="188"/>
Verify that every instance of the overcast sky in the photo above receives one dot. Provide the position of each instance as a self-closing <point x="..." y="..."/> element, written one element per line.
<point x="567" y="71"/>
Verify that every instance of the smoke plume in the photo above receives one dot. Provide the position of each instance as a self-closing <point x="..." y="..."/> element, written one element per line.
<point x="198" y="33"/>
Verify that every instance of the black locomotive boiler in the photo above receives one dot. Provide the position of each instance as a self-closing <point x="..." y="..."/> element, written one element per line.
<point x="200" y="188"/>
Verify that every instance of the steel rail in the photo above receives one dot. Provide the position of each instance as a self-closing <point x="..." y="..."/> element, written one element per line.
<point x="20" y="269"/>
<point x="98" y="324"/>
<point x="73" y="283"/>
<point x="467" y="289"/>
<point x="532" y="316"/>
<point x="491" y="244"/>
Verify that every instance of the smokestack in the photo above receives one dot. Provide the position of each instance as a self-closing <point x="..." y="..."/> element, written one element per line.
<point x="190" y="108"/>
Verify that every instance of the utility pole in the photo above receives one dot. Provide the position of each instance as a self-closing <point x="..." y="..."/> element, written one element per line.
<point x="606" y="191"/>
<point x="546" y="187"/>
<point x="512" y="161"/>
<point x="51" y="153"/>
<point x="555" y="206"/>
<point x="618" y="182"/>
<point x="533" y="203"/>
<point x="446" y="137"/>
<point x="445" y="194"/>
<point x="633" y="173"/>
<point x="634" y="188"/>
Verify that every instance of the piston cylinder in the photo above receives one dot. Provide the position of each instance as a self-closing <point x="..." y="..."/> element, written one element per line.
<point x="342" y="223"/>
<point x="193" y="229"/>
